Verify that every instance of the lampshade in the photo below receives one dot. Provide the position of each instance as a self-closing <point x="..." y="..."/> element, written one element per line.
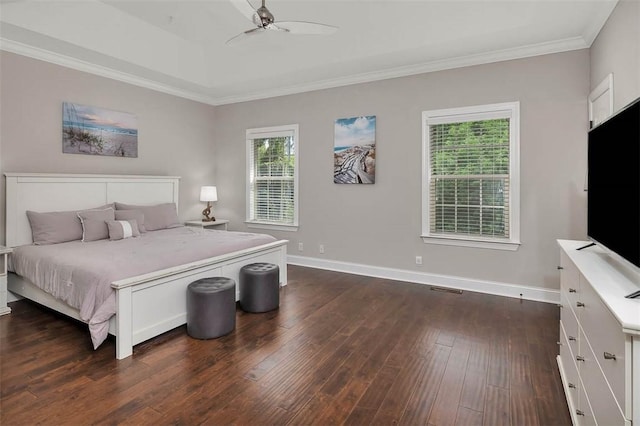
<point x="208" y="193"/>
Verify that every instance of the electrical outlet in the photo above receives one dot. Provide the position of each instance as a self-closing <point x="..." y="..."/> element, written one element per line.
<point x="321" y="248"/>
<point x="418" y="260"/>
<point x="300" y="247"/>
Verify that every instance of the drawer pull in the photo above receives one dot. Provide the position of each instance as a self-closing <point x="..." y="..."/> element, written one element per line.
<point x="572" y="290"/>
<point x="572" y="386"/>
<point x="607" y="355"/>
<point x="560" y="267"/>
<point x="572" y="339"/>
<point x="559" y="343"/>
<point x="580" y="412"/>
<point x="580" y="304"/>
<point x="579" y="358"/>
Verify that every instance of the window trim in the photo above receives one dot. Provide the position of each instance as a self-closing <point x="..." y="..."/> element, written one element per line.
<point x="273" y="131"/>
<point x="509" y="110"/>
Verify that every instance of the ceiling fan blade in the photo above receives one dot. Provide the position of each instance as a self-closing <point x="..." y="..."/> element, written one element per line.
<point x="247" y="10"/>
<point x="275" y="27"/>
<point x="299" y="27"/>
<point x="245" y="35"/>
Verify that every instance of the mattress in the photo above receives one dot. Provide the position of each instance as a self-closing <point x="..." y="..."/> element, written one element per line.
<point x="81" y="273"/>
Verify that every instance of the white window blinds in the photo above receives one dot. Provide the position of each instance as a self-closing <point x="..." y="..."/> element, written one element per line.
<point x="469" y="174"/>
<point x="272" y="175"/>
<point x="469" y="188"/>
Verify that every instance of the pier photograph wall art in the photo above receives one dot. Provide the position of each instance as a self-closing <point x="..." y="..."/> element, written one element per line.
<point x="354" y="150"/>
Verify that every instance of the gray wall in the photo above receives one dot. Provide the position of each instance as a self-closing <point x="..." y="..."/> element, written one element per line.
<point x="175" y="136"/>
<point x="376" y="224"/>
<point x="380" y="224"/>
<point x="617" y="50"/>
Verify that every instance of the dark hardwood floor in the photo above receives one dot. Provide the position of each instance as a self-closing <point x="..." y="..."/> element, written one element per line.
<point x="342" y="349"/>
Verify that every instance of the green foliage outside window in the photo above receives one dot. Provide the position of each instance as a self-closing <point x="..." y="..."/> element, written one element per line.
<point x="274" y="156"/>
<point x="274" y="166"/>
<point x="470" y="177"/>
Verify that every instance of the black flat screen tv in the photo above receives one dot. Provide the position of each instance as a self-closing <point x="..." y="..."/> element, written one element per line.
<point x="613" y="186"/>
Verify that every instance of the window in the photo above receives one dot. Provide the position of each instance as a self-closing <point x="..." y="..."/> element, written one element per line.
<point x="272" y="177"/>
<point x="470" y="194"/>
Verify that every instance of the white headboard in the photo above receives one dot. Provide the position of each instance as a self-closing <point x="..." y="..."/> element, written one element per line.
<point x="43" y="192"/>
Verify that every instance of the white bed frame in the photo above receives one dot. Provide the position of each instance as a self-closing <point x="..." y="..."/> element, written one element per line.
<point x="146" y="305"/>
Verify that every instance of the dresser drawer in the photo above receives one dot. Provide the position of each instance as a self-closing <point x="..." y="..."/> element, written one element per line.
<point x="571" y="379"/>
<point x="569" y="276"/>
<point x="603" y="403"/>
<point x="584" y="414"/>
<point x="604" y="334"/>
<point x="569" y="322"/>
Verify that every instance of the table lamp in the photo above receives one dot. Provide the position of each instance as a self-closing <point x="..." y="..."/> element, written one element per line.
<point x="208" y="194"/>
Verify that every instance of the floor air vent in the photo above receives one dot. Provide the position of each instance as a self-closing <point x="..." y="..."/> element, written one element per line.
<point x="448" y="290"/>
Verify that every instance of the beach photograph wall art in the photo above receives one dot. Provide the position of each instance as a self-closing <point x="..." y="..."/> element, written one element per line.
<point x="97" y="131"/>
<point x="354" y="150"/>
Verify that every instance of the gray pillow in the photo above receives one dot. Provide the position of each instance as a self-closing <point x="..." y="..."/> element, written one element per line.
<point x="121" y="229"/>
<point x="136" y="215"/>
<point x="56" y="227"/>
<point x="94" y="224"/>
<point x="158" y="216"/>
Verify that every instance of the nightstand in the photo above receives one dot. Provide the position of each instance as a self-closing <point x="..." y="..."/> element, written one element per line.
<point x="214" y="224"/>
<point x="4" y="251"/>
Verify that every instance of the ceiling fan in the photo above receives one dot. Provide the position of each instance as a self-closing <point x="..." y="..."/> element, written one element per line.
<point x="264" y="21"/>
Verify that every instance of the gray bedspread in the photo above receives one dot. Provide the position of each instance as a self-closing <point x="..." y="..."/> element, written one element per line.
<point x="80" y="274"/>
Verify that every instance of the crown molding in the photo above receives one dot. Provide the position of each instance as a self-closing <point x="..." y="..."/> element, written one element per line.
<point x="565" y="45"/>
<point x="80" y="65"/>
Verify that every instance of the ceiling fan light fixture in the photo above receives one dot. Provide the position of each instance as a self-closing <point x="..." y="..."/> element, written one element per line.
<point x="263" y="19"/>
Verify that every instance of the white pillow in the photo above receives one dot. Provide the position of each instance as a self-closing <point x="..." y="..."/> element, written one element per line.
<point x="121" y="229"/>
<point x="136" y="215"/>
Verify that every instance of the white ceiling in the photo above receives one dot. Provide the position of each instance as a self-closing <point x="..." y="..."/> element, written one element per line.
<point x="178" y="46"/>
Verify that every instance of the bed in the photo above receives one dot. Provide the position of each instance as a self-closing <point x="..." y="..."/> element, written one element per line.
<point x="148" y="304"/>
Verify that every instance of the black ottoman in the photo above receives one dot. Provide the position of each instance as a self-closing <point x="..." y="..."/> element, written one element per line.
<point x="259" y="287"/>
<point x="211" y="307"/>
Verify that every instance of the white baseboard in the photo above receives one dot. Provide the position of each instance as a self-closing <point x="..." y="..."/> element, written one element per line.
<point x="489" y="287"/>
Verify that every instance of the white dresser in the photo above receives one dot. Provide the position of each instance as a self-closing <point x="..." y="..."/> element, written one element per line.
<point x="599" y="357"/>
